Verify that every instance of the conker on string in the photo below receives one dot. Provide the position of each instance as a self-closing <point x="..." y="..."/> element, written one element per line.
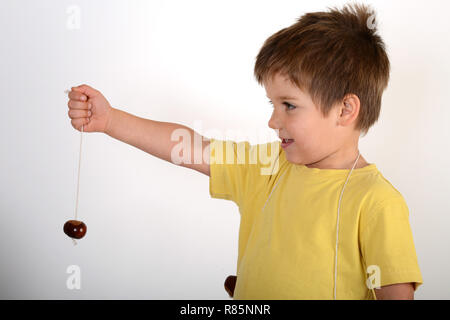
<point x="75" y="229"/>
<point x="230" y="284"/>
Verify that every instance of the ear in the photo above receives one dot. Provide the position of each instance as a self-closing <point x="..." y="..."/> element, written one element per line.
<point x="348" y="110"/>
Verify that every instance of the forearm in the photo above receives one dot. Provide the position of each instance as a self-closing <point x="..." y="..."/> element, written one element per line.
<point x="153" y="137"/>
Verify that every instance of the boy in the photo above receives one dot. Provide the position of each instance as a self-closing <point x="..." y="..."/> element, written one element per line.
<point x="320" y="218"/>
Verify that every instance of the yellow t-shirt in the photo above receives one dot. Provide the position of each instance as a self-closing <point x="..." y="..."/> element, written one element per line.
<point x="287" y="242"/>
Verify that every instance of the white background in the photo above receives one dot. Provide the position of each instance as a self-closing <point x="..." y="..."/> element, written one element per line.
<point x="154" y="232"/>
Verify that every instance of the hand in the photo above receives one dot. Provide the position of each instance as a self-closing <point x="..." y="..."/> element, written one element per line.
<point x="88" y="108"/>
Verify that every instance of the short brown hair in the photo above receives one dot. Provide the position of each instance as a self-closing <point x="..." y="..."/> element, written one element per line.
<point x="331" y="54"/>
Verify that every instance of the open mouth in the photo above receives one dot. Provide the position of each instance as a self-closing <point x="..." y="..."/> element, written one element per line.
<point x="286" y="142"/>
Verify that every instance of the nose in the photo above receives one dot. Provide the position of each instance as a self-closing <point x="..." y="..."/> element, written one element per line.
<point x="274" y="121"/>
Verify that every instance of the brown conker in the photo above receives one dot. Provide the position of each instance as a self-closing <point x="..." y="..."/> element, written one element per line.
<point x="75" y="229"/>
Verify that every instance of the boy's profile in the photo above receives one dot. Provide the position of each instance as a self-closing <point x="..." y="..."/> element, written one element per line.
<point x="321" y="222"/>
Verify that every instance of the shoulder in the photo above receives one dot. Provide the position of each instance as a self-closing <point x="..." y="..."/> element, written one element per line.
<point x="382" y="200"/>
<point x="242" y="168"/>
<point x="263" y="158"/>
<point x="380" y="190"/>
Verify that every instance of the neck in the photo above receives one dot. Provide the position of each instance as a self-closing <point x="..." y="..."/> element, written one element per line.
<point x="340" y="159"/>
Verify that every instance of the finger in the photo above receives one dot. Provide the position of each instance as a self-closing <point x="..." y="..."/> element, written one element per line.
<point x="75" y="95"/>
<point x="85" y="89"/>
<point x="77" y="123"/>
<point x="77" y="114"/>
<point x="74" y="104"/>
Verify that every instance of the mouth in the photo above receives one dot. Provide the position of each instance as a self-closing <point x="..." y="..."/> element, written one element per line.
<point x="286" y="142"/>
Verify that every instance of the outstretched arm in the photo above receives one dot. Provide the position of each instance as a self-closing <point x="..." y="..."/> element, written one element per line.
<point x="161" y="139"/>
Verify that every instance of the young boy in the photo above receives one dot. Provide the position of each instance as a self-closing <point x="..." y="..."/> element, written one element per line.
<point x="320" y="222"/>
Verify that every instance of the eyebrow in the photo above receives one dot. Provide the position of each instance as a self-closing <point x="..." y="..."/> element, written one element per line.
<point x="285" y="97"/>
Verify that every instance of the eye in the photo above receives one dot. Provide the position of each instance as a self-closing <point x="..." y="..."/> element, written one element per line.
<point x="288" y="105"/>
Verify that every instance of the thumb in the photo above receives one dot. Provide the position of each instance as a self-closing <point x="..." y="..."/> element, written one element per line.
<point x="87" y="90"/>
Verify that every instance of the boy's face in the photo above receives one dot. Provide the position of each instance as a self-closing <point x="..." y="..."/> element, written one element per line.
<point x="298" y="118"/>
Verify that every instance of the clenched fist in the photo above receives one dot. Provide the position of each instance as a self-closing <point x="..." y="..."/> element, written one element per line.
<point x="88" y="108"/>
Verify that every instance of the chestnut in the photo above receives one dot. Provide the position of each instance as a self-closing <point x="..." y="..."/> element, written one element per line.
<point x="230" y="284"/>
<point x="75" y="229"/>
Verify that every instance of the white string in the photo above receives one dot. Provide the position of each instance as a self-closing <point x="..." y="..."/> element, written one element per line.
<point x="78" y="183"/>
<point x="79" y="165"/>
<point x="337" y="223"/>
<point x="272" y="191"/>
<point x="337" y="226"/>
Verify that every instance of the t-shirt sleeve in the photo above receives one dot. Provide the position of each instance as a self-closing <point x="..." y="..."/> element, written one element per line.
<point x="387" y="243"/>
<point x="237" y="168"/>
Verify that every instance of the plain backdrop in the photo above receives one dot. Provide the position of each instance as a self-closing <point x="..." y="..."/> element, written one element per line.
<point x="154" y="232"/>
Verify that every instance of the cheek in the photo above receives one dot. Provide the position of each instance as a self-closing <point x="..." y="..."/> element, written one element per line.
<point x="305" y="132"/>
<point x="312" y="137"/>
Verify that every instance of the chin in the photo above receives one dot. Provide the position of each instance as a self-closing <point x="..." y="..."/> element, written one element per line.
<point x="292" y="159"/>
